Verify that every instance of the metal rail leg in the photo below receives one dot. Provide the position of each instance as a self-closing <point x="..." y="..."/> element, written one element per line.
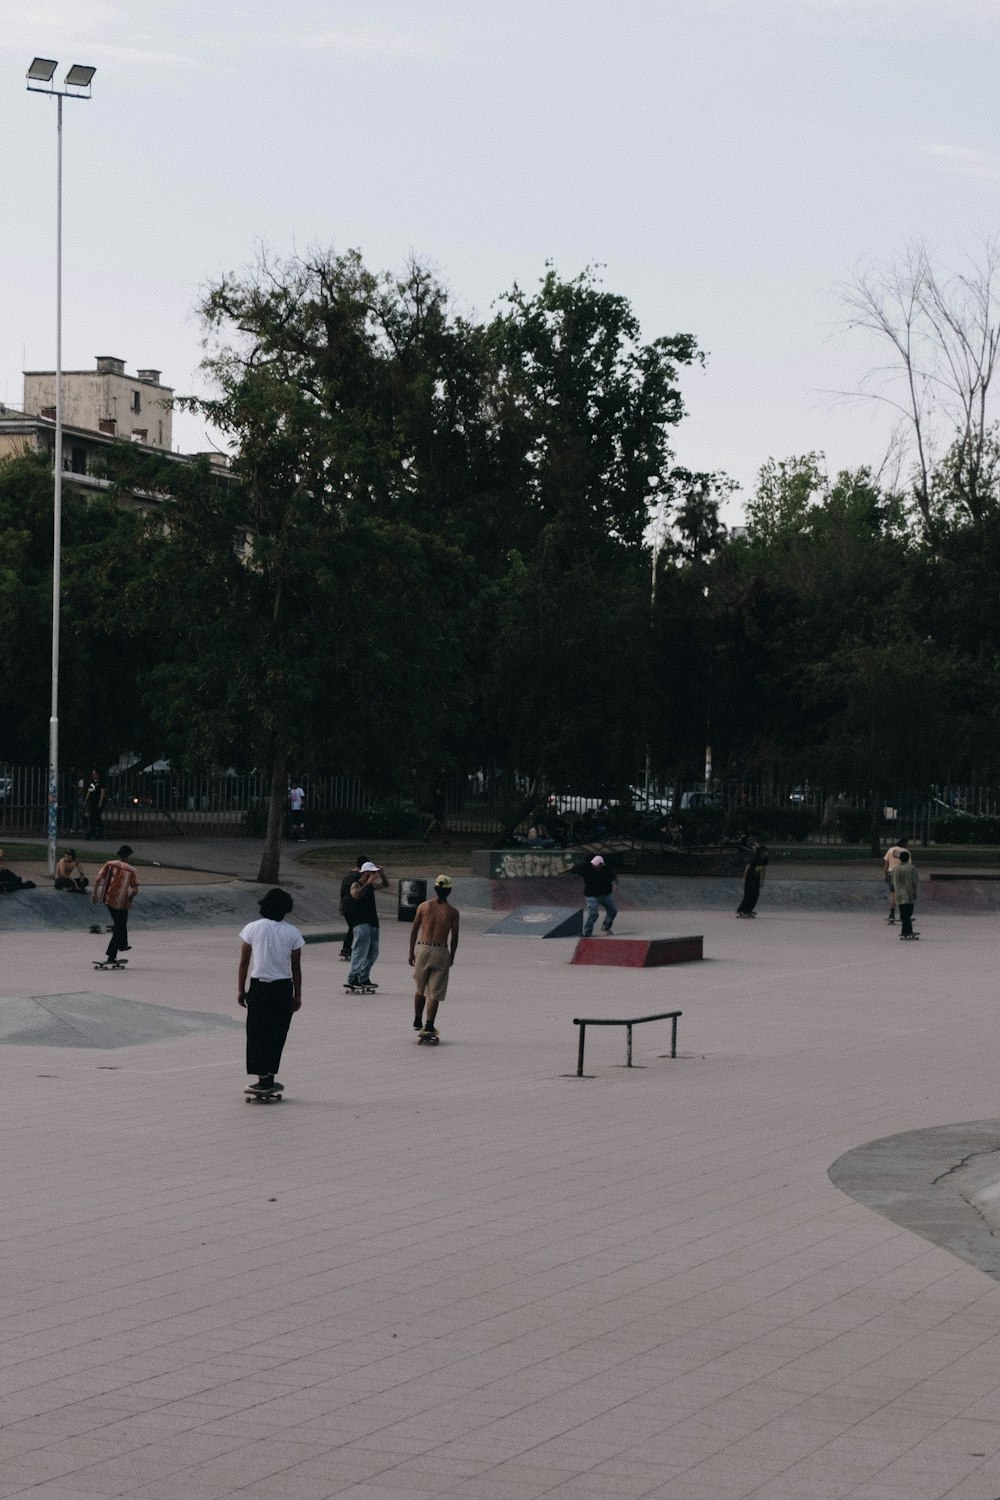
<point x="673" y="1037"/>
<point x="579" y="1052"/>
<point x="628" y="1047"/>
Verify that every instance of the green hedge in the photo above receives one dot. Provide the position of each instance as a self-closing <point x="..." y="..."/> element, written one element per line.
<point x="782" y="824"/>
<point x="854" y="824"/>
<point x="956" y="830"/>
<point x="376" y="823"/>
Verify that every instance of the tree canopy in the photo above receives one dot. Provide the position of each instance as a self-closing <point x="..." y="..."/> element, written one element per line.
<point x="456" y="542"/>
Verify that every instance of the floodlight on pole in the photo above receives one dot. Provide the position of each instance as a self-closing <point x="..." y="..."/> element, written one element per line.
<point x="79" y="77"/>
<point x="42" y="69"/>
<point x="77" y="80"/>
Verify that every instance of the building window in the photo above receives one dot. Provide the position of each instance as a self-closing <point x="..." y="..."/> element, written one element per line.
<point x="136" y="401"/>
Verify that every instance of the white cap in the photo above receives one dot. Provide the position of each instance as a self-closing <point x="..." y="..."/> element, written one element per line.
<point x="597" y="860"/>
<point x="368" y="868"/>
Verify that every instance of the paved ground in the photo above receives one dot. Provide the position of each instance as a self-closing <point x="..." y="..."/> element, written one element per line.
<point x="460" y="1272"/>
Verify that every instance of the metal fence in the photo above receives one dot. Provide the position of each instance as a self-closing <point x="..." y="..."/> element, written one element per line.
<point x="158" y="802"/>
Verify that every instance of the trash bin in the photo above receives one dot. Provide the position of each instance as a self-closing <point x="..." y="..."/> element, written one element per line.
<point x="411" y="893"/>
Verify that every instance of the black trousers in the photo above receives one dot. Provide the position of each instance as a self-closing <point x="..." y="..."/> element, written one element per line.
<point x="906" y="918"/>
<point x="119" y="937"/>
<point x="751" y="891"/>
<point x="269" y="1015"/>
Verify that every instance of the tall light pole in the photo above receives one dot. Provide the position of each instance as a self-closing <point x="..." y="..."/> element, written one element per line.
<point x="76" y="85"/>
<point x="654" y="484"/>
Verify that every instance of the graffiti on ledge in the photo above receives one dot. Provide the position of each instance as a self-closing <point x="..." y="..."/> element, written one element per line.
<point x="511" y="864"/>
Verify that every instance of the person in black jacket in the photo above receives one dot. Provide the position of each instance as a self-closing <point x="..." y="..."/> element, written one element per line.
<point x="753" y="874"/>
<point x="598" y="884"/>
<point x="346" y="908"/>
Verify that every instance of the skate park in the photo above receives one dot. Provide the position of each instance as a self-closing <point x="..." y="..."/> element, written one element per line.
<point x="761" y="1267"/>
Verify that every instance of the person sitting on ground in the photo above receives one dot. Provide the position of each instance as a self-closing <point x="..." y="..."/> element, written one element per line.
<point x="9" y="882"/>
<point x="69" y="874"/>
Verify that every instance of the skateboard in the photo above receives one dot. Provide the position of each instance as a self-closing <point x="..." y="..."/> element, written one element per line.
<point x="109" y="963"/>
<point x="908" y="937"/>
<point x="360" y="989"/>
<point x="263" y="1096"/>
<point x="430" y="1037"/>
<point x="98" y="928"/>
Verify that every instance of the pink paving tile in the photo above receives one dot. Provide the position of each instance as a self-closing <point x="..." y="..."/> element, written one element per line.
<point x="650" y="1270"/>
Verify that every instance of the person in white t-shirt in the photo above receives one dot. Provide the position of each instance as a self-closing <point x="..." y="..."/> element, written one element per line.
<point x="890" y="861"/>
<point x="296" y="807"/>
<point x="271" y="955"/>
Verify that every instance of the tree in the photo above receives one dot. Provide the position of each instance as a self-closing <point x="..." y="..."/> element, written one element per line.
<point x="296" y="585"/>
<point x="99" y="703"/>
<point x="942" y="330"/>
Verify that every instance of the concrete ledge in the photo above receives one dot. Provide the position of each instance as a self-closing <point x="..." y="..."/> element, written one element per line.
<point x="638" y="953"/>
<point x="522" y="863"/>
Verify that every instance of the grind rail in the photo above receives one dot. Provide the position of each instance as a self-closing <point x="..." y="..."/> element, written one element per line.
<point x="628" y="1022"/>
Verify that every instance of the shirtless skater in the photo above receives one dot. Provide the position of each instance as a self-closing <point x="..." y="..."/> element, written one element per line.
<point x="434" y="930"/>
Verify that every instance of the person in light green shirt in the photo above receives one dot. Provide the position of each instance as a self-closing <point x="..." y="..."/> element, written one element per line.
<point x="905" y="881"/>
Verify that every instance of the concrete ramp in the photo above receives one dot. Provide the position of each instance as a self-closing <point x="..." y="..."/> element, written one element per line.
<point x="233" y="903"/>
<point x="105" y="1022"/>
<point x="541" y="922"/>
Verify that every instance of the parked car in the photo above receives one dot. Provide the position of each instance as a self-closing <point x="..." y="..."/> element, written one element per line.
<point x="693" y="800"/>
<point x="576" y="802"/>
<point x="6" y="788"/>
<point x="656" y="802"/>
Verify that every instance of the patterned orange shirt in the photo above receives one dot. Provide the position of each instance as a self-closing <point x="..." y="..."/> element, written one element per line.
<point x="116" y="885"/>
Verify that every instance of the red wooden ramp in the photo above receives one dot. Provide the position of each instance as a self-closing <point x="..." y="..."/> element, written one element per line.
<point x="638" y="953"/>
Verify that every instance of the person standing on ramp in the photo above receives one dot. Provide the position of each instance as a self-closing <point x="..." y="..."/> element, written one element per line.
<point x="599" y="881"/>
<point x="271" y="954"/>
<point x="433" y="943"/>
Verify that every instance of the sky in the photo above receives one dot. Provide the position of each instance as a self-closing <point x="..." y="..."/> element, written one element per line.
<point x="727" y="164"/>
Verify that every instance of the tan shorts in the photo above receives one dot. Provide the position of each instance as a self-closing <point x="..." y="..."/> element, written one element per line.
<point x="430" y="971"/>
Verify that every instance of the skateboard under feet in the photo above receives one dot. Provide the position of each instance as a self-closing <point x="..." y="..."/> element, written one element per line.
<point x="360" y="989"/>
<point x="263" y="1096"/>
<point x="908" y="937"/>
<point x="110" y="963"/>
<point x="430" y="1037"/>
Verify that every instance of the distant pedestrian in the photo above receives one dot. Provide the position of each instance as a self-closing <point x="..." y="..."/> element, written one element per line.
<point x="271" y="954"/>
<point x="346" y="907"/>
<point x="364" y="947"/>
<point x="70" y="875"/>
<point x="296" y="811"/>
<point x="599" y="881"/>
<point x="437" y="823"/>
<point x="905" y="880"/>
<point x="435" y="934"/>
<point x="117" y="885"/>
<point x="890" y="862"/>
<point x="93" y="804"/>
<point x="753" y="874"/>
<point x="75" y="788"/>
